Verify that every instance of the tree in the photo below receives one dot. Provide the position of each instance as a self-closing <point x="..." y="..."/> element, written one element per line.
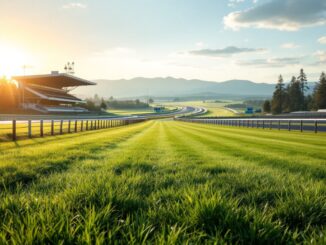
<point x="302" y="79"/>
<point x="150" y="101"/>
<point x="310" y="102"/>
<point x="320" y="93"/>
<point x="278" y="96"/>
<point x="103" y="105"/>
<point x="9" y="96"/>
<point x="90" y="105"/>
<point x="294" y="95"/>
<point x="267" y="106"/>
<point x="97" y="100"/>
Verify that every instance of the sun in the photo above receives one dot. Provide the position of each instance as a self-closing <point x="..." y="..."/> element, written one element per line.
<point x="12" y="60"/>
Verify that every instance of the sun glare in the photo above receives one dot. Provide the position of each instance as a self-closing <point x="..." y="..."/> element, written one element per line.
<point x="12" y="60"/>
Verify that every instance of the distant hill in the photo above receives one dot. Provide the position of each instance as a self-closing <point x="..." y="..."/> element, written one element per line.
<point x="174" y="87"/>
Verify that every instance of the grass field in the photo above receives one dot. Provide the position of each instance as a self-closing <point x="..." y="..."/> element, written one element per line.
<point x="214" y="109"/>
<point x="150" y="110"/>
<point x="165" y="182"/>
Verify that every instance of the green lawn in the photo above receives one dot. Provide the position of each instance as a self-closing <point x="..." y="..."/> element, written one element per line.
<point x="149" y="110"/>
<point x="165" y="182"/>
<point x="214" y="109"/>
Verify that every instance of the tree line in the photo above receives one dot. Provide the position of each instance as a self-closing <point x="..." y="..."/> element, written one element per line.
<point x="100" y="104"/>
<point x="294" y="96"/>
<point x="9" y="95"/>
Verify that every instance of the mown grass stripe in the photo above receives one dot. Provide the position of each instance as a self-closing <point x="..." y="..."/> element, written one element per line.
<point x="293" y="161"/>
<point x="166" y="182"/>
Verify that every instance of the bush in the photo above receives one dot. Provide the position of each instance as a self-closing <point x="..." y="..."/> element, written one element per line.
<point x="127" y="104"/>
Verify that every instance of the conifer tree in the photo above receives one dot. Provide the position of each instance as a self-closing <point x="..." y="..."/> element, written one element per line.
<point x="278" y="97"/>
<point x="267" y="106"/>
<point x="302" y="79"/>
<point x="294" y="95"/>
<point x="320" y="93"/>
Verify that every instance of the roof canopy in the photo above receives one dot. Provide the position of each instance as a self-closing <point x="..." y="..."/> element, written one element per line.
<point x="55" y="80"/>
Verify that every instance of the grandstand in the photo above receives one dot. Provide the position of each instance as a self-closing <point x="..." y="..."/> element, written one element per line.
<point x="51" y="93"/>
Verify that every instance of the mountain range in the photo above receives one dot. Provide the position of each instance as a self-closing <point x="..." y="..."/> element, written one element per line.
<point x="170" y="87"/>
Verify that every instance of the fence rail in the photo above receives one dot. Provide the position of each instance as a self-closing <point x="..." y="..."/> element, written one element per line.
<point x="18" y="128"/>
<point x="311" y="124"/>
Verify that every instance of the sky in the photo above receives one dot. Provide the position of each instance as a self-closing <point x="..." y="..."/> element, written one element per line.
<point x="214" y="40"/>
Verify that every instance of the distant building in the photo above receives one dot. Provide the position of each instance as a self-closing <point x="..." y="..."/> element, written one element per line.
<point x="50" y="93"/>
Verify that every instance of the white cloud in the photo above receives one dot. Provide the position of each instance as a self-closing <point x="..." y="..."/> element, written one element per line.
<point x="74" y="6"/>
<point x="322" y="40"/>
<point x="321" y="55"/>
<point x="224" y="52"/>
<point x="272" y="62"/>
<point x="289" y="46"/>
<point x="285" y="15"/>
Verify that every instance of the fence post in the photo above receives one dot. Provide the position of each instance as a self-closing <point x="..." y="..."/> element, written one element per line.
<point x="52" y="127"/>
<point x="263" y="124"/>
<point x="289" y="126"/>
<point x="14" y="136"/>
<point x="29" y="129"/>
<point x="69" y="124"/>
<point x="41" y="128"/>
<point x="76" y="121"/>
<point x="82" y="125"/>
<point x="86" y="125"/>
<point x="270" y="124"/>
<point x="316" y="127"/>
<point x="301" y="125"/>
<point x="279" y="124"/>
<point x="61" y="126"/>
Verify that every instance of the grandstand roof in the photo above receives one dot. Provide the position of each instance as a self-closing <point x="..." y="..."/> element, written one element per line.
<point x="55" y="80"/>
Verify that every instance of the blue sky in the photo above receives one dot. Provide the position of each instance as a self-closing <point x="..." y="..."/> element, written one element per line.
<point x="206" y="39"/>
